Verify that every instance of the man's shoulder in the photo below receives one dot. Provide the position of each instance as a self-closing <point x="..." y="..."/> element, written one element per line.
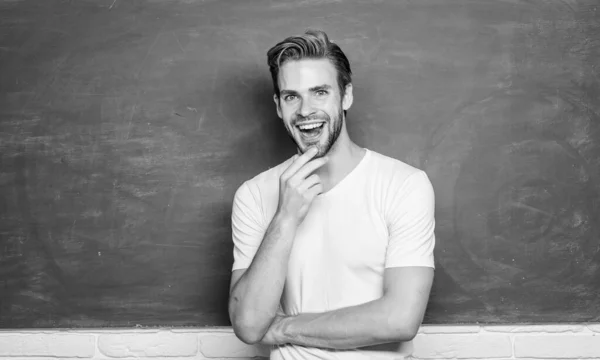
<point x="391" y="169"/>
<point x="267" y="181"/>
<point x="399" y="184"/>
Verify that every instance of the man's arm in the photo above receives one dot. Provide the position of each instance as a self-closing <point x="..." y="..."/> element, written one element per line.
<point x="255" y="292"/>
<point x="396" y="316"/>
<point x="408" y="278"/>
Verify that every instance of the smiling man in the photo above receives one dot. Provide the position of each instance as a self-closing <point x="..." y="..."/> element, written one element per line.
<point x="333" y="248"/>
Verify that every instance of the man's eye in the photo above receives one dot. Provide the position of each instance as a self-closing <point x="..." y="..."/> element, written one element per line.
<point x="321" y="93"/>
<point x="289" y="97"/>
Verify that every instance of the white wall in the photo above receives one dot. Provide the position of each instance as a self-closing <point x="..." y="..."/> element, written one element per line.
<point x="433" y="342"/>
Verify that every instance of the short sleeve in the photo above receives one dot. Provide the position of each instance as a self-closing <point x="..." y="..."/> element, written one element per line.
<point x="411" y="223"/>
<point x="246" y="228"/>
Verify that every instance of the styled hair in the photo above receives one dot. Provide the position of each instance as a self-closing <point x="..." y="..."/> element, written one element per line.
<point x="314" y="44"/>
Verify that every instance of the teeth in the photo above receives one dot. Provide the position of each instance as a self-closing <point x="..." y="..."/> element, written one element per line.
<point x="310" y="126"/>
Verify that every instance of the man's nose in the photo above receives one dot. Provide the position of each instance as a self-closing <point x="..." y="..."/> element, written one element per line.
<point x="306" y="108"/>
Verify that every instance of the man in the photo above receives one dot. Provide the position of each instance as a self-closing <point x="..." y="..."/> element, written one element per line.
<point x="333" y="248"/>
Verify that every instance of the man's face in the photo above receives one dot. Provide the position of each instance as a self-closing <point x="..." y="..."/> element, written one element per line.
<point x="310" y="103"/>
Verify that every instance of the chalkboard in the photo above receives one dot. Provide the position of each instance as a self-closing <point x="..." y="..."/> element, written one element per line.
<point x="127" y="126"/>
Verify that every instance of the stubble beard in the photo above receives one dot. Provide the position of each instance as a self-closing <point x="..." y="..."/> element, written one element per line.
<point x="334" y="130"/>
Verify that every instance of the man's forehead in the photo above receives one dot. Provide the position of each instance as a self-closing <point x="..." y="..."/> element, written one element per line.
<point x="307" y="73"/>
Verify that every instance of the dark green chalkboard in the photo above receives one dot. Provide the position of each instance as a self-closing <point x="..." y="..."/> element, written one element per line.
<point x="127" y="125"/>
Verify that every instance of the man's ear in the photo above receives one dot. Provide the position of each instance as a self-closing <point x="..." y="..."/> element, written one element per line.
<point x="348" y="97"/>
<point x="276" y="100"/>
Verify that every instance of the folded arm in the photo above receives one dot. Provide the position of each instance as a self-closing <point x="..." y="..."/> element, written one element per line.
<point x="255" y="291"/>
<point x="396" y="316"/>
<point x="408" y="278"/>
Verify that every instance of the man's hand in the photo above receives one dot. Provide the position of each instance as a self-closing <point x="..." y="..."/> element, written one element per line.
<point x="297" y="189"/>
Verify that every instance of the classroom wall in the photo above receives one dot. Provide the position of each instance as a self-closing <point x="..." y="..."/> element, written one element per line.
<point x="432" y="342"/>
<point x="126" y="127"/>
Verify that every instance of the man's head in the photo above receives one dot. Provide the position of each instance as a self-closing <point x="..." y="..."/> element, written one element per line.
<point x="313" y="90"/>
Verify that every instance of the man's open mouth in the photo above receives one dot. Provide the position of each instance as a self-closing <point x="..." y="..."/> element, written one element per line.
<point x="312" y="129"/>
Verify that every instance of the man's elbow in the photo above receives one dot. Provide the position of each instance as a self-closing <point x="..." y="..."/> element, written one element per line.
<point x="249" y="325"/>
<point x="250" y="331"/>
<point x="403" y="330"/>
<point x="407" y="333"/>
<point x="247" y="335"/>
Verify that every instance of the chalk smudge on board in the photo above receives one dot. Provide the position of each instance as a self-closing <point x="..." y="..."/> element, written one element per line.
<point x="201" y="119"/>
<point x="178" y="42"/>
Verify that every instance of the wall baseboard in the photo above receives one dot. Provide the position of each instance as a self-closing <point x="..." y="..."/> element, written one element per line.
<point x="575" y="341"/>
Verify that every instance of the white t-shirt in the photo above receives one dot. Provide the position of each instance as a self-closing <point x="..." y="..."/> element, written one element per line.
<point x="380" y="215"/>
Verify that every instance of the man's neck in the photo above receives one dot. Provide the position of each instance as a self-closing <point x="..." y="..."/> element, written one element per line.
<point x="342" y="159"/>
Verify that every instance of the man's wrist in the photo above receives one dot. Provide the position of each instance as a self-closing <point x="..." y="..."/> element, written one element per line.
<point x="285" y="221"/>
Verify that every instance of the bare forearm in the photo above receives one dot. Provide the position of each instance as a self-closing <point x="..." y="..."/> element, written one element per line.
<point x="256" y="296"/>
<point x="347" y="328"/>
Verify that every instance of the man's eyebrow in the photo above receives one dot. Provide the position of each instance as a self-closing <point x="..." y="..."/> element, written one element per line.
<point x="312" y="89"/>
<point x="320" y="87"/>
<point x="287" y="92"/>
